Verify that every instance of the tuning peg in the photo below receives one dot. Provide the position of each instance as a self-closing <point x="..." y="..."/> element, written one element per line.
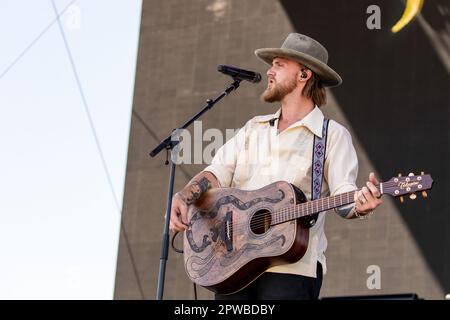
<point x="424" y="194"/>
<point x="422" y="173"/>
<point x="402" y="199"/>
<point x="399" y="175"/>
<point x="412" y="196"/>
<point x="410" y="174"/>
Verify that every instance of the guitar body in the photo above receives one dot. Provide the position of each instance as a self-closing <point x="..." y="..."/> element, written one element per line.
<point x="229" y="241"/>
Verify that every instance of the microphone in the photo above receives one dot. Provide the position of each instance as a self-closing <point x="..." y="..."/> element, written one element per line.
<point x="239" y="74"/>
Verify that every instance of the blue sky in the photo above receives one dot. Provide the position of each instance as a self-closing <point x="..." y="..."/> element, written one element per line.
<point x="59" y="226"/>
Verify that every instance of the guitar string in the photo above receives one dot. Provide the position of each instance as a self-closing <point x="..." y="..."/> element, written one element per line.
<point x="262" y="219"/>
<point x="306" y="206"/>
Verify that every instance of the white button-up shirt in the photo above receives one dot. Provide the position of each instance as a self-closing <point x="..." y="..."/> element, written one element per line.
<point x="259" y="155"/>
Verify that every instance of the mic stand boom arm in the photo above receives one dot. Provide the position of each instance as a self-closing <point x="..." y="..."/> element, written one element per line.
<point x="169" y="143"/>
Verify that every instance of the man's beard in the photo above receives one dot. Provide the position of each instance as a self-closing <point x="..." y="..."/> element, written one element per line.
<point x="278" y="91"/>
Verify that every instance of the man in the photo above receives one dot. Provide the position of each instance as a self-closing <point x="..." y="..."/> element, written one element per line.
<point x="279" y="147"/>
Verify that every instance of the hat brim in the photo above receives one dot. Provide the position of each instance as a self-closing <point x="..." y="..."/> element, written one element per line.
<point x="328" y="76"/>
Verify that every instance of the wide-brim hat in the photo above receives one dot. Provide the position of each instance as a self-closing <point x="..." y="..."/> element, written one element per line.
<point x="306" y="51"/>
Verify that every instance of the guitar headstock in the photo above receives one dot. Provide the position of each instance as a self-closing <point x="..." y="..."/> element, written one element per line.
<point x="410" y="184"/>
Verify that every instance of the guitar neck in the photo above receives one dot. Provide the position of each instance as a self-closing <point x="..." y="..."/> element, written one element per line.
<point x="315" y="206"/>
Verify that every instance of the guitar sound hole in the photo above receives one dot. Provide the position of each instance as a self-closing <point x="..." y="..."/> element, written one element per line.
<point x="260" y="222"/>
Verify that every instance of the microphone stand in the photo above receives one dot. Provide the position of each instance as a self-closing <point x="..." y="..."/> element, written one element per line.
<point x="169" y="143"/>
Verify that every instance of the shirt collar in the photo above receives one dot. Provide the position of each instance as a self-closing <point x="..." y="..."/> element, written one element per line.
<point x="313" y="120"/>
<point x="269" y="117"/>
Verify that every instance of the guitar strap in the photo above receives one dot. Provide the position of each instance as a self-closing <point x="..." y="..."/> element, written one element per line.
<point x="318" y="163"/>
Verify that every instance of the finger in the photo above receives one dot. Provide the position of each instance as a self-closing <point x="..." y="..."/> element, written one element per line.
<point x="177" y="225"/>
<point x="361" y="198"/>
<point x="184" y="214"/>
<point x="375" y="201"/>
<point x="363" y="201"/>
<point x="373" y="189"/>
<point x="360" y="202"/>
<point x="367" y="194"/>
<point x="173" y="215"/>
<point x="356" y="199"/>
<point x="372" y="178"/>
<point x="177" y="208"/>
<point x="372" y="202"/>
<point x="175" y="220"/>
<point x="172" y="227"/>
<point x="355" y="196"/>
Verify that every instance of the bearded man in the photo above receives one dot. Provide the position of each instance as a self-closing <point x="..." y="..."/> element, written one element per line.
<point x="281" y="146"/>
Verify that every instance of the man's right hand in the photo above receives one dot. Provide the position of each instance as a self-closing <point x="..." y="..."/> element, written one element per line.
<point x="188" y="195"/>
<point x="178" y="214"/>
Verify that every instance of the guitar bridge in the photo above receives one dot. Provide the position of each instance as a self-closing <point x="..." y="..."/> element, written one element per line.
<point x="227" y="231"/>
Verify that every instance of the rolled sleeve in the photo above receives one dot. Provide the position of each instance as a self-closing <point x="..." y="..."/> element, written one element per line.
<point x="341" y="164"/>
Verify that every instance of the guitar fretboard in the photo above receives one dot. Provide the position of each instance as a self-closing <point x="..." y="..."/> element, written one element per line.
<point x="312" y="207"/>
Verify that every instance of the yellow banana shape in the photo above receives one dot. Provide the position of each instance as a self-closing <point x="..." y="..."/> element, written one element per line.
<point x="412" y="9"/>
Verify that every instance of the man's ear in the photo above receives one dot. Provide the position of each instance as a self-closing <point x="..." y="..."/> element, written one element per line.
<point x="304" y="74"/>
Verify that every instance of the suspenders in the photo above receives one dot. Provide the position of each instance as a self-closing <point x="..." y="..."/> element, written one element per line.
<point x="318" y="162"/>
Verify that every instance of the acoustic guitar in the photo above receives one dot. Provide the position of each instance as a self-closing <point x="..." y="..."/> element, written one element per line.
<point x="234" y="235"/>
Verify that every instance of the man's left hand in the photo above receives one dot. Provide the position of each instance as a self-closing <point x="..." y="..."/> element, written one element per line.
<point x="368" y="198"/>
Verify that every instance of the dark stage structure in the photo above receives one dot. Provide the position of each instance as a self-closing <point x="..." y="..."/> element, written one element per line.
<point x="394" y="100"/>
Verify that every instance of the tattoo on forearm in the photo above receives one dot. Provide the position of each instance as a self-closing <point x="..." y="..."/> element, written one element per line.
<point x="195" y="190"/>
<point x="346" y="213"/>
<point x="343" y="213"/>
